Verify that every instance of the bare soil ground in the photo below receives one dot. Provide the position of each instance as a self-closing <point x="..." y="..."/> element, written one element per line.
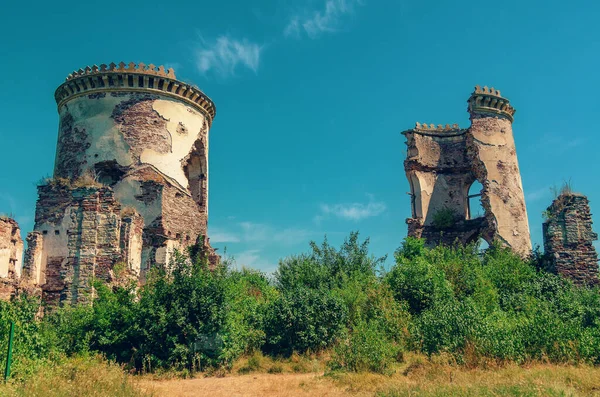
<point x="418" y="378"/>
<point x="269" y="385"/>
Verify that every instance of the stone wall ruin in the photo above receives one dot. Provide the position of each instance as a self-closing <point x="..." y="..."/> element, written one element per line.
<point x="11" y="253"/>
<point x="568" y="239"/>
<point x="444" y="162"/>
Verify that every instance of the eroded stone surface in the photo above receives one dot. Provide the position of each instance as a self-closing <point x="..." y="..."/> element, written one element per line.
<point x="130" y="184"/>
<point x="442" y="164"/>
<point x="568" y="239"/>
<point x="11" y="253"/>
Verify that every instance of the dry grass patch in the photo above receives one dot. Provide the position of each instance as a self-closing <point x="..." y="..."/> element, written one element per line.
<point x="422" y="377"/>
<point x="75" y="377"/>
<point x="259" y="384"/>
<point x="258" y="363"/>
<point x="417" y="376"/>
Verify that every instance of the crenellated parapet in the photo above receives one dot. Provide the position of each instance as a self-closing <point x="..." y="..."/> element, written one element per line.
<point x="133" y="77"/>
<point x="489" y="101"/>
<point x="442" y="164"/>
<point x="432" y="129"/>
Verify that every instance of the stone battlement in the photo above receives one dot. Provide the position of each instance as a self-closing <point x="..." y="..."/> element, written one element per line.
<point x="432" y="129"/>
<point x="488" y="101"/>
<point x="133" y="78"/>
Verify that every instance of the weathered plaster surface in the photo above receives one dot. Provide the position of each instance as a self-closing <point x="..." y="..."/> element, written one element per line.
<point x="492" y="150"/>
<point x="11" y="253"/>
<point x="130" y="128"/>
<point x="130" y="182"/>
<point x="444" y="161"/>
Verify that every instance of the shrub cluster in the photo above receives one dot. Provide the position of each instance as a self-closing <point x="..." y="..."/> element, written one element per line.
<point x="453" y="300"/>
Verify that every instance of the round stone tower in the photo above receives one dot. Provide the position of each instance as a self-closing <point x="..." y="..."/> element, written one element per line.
<point x="130" y="178"/>
<point x="128" y="126"/>
<point x="492" y="151"/>
<point x="117" y="118"/>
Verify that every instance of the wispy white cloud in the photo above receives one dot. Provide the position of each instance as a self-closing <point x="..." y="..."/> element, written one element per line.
<point x="10" y="206"/>
<point x="175" y="65"/>
<point x="250" y="232"/>
<point x="225" y="54"/>
<point x="314" y="23"/>
<point x="537" y="194"/>
<point x="223" y="236"/>
<point x="352" y="211"/>
<point x="253" y="258"/>
<point x="258" y="232"/>
<point x="557" y="143"/>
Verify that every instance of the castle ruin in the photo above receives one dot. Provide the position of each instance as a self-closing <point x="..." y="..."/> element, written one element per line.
<point x="568" y="239"/>
<point x="130" y="187"/>
<point x="444" y="162"/>
<point x="130" y="183"/>
<point x="11" y="254"/>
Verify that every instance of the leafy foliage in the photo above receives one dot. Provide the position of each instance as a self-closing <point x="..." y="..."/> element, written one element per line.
<point x="446" y="300"/>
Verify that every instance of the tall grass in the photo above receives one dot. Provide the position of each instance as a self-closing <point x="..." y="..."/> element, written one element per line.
<point x="76" y="376"/>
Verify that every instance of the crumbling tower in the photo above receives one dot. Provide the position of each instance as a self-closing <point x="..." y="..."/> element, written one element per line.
<point x="568" y="239"/>
<point x="130" y="179"/>
<point x="444" y="162"/>
<point x="491" y="148"/>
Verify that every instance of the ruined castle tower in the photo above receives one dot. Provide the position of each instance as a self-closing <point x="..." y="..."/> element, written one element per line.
<point x="130" y="180"/>
<point x="443" y="163"/>
<point x="568" y="239"/>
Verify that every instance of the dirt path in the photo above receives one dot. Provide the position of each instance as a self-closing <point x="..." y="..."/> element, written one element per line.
<point x="247" y="385"/>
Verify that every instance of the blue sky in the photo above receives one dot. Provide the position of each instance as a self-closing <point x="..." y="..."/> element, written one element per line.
<point x="311" y="98"/>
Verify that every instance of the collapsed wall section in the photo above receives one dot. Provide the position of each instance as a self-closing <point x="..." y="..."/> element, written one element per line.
<point x="440" y="176"/>
<point x="77" y="240"/>
<point x="568" y="239"/>
<point x="11" y="254"/>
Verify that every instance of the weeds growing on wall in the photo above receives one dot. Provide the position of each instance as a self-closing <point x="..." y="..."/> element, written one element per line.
<point x="446" y="300"/>
<point x="444" y="218"/>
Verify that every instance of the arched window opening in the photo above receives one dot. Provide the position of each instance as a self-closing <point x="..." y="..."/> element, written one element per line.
<point x="415" y="197"/>
<point x="474" y="207"/>
<point x="482" y="246"/>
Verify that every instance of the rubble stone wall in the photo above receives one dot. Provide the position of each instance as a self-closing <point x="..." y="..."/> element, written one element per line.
<point x="11" y="256"/>
<point x="568" y="239"/>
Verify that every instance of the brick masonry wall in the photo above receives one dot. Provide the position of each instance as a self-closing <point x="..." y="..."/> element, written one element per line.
<point x="568" y="239"/>
<point x="11" y="252"/>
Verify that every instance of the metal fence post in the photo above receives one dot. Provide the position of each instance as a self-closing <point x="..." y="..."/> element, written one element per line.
<point x="9" y="354"/>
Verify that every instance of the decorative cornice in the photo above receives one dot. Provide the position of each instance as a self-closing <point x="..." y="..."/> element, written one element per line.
<point x="133" y="78"/>
<point x="439" y="130"/>
<point x="489" y="101"/>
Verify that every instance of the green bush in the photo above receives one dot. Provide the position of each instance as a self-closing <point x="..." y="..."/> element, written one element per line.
<point x="497" y="306"/>
<point x="419" y="283"/>
<point x="366" y="349"/>
<point x="303" y="320"/>
<point x="444" y="218"/>
<point x="248" y="294"/>
<point x="327" y="268"/>
<point x="448" y="299"/>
